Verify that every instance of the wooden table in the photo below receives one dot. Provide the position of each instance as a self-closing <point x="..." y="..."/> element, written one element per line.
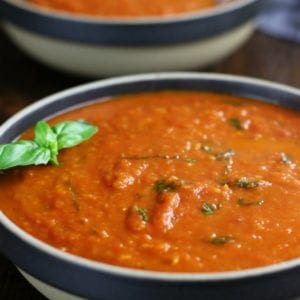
<point x="23" y="81"/>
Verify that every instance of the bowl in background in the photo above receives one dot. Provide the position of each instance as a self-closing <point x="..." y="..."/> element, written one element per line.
<point x="59" y="275"/>
<point x="92" y="46"/>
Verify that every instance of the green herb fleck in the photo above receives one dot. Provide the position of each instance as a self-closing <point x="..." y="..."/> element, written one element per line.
<point x="74" y="196"/>
<point x="209" y="209"/>
<point x="163" y="157"/>
<point x="190" y="160"/>
<point x="245" y="182"/>
<point x="143" y="213"/>
<point x="286" y="159"/>
<point x="46" y="144"/>
<point x="236" y="123"/>
<point x="227" y="154"/>
<point x="242" y="202"/>
<point x="164" y="186"/>
<point x="221" y="240"/>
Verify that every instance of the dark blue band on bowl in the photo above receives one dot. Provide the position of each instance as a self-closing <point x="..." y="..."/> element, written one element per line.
<point x="102" y="31"/>
<point x="92" y="284"/>
<point x="99" y="283"/>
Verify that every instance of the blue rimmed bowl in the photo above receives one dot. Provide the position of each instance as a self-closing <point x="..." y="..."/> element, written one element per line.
<point x="95" y="47"/>
<point x="59" y="275"/>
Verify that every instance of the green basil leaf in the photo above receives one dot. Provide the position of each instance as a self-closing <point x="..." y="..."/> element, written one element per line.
<point x="72" y="133"/>
<point x="23" y="153"/>
<point x="46" y="138"/>
<point x="46" y="144"/>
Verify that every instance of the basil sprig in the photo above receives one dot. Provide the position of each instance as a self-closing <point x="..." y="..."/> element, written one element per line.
<point x="46" y="144"/>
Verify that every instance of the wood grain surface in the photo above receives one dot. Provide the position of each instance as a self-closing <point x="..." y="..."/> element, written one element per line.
<point x="23" y="81"/>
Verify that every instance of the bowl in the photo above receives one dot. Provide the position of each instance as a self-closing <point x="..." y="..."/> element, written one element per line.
<point x="90" y="46"/>
<point x="59" y="275"/>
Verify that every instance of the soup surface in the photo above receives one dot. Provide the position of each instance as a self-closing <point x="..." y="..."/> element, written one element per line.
<point x="129" y="8"/>
<point x="174" y="181"/>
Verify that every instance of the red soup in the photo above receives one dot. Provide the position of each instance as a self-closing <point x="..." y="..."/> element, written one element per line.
<point x="128" y="8"/>
<point x="173" y="181"/>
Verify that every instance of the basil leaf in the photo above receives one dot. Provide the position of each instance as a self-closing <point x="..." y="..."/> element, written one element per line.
<point x="72" y="133"/>
<point x="23" y="153"/>
<point x="46" y="144"/>
<point x="45" y="137"/>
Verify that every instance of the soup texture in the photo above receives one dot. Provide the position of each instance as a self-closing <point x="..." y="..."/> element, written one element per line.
<point x="128" y="8"/>
<point x="174" y="181"/>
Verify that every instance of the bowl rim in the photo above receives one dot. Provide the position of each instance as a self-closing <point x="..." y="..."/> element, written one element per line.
<point x="145" y="32"/>
<point x="125" y="271"/>
<point x="151" y="20"/>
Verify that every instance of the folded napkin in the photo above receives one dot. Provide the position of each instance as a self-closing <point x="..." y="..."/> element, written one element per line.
<point x="281" y="18"/>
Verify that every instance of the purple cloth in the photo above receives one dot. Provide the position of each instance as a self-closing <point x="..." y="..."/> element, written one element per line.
<point x="281" y="18"/>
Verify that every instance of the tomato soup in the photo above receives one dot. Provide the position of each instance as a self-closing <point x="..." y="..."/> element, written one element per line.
<point x="128" y="8"/>
<point x="174" y="181"/>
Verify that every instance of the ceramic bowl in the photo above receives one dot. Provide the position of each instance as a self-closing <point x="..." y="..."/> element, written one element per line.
<point x="59" y="275"/>
<point x="96" y="47"/>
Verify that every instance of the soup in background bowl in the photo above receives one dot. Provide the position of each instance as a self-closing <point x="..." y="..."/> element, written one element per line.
<point x="128" y="8"/>
<point x="99" y="46"/>
<point x="188" y="184"/>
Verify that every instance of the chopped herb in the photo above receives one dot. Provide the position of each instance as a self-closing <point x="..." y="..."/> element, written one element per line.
<point x="190" y="160"/>
<point x="143" y="213"/>
<point x="221" y="240"/>
<point x="164" y="186"/>
<point x="163" y="157"/>
<point x="246" y="183"/>
<point x="74" y="196"/>
<point x="242" y="202"/>
<point x="236" y="123"/>
<point x="225" y="155"/>
<point x="209" y="209"/>
<point x="285" y="158"/>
